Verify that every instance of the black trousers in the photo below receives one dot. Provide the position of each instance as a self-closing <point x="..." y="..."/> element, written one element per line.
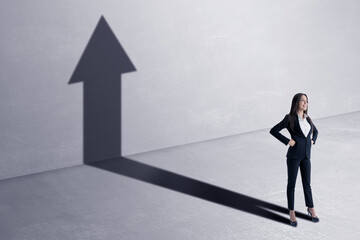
<point x="292" y="170"/>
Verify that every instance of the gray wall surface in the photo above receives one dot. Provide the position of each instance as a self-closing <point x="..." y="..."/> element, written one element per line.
<point x="204" y="69"/>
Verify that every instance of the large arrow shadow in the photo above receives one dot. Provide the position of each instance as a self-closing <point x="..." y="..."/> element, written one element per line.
<point x="100" y="68"/>
<point x="195" y="188"/>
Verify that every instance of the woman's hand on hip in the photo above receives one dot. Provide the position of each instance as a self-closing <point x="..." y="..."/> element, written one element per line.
<point x="292" y="142"/>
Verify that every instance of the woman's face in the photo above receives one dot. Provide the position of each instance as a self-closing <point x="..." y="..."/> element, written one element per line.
<point x="303" y="103"/>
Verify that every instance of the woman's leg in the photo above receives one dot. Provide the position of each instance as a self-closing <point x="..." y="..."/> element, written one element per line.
<point x="305" y="169"/>
<point x="292" y="170"/>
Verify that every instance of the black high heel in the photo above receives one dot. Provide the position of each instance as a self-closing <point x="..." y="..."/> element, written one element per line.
<point x="314" y="219"/>
<point x="294" y="224"/>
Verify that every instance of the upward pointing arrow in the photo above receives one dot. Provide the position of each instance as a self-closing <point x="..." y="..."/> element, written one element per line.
<point x="103" y="53"/>
<point x="100" y="68"/>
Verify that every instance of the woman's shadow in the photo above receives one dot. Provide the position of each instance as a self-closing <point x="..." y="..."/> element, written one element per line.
<point x="193" y="187"/>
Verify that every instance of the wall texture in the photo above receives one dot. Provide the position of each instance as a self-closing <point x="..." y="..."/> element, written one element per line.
<point x="204" y="69"/>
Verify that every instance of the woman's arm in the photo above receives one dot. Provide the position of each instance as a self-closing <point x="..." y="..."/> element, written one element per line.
<point x="315" y="134"/>
<point x="275" y="131"/>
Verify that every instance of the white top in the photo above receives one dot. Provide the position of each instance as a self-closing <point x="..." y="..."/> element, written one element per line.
<point x="304" y="125"/>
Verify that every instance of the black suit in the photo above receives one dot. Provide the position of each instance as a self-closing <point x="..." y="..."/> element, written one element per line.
<point x="298" y="155"/>
<point x="302" y="147"/>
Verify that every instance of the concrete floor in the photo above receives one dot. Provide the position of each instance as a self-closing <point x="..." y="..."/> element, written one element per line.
<point x="226" y="188"/>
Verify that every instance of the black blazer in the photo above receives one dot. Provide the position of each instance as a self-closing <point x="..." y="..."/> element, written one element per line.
<point x="302" y="146"/>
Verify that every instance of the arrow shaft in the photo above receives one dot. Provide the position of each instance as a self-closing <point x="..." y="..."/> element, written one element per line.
<point x="102" y="119"/>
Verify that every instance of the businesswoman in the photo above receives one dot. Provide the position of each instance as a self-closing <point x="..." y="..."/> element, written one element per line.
<point x="303" y="135"/>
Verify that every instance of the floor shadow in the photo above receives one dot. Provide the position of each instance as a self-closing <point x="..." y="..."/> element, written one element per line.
<point x="193" y="187"/>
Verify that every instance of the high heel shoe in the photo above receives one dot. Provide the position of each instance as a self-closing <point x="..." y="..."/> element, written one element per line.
<point x="314" y="219"/>
<point x="294" y="224"/>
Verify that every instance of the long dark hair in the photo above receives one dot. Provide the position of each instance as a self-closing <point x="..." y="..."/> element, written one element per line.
<point x="294" y="110"/>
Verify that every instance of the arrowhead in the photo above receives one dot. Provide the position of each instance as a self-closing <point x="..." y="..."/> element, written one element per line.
<point x="103" y="54"/>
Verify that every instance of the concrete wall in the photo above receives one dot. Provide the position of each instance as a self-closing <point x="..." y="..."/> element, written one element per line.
<point x="205" y="69"/>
